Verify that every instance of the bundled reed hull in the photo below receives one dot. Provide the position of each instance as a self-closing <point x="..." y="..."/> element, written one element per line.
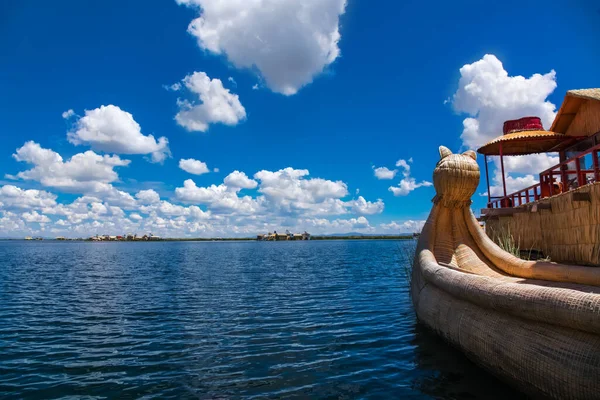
<point x="536" y="325"/>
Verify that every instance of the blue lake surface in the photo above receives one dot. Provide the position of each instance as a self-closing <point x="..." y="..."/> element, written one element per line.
<point x="318" y="319"/>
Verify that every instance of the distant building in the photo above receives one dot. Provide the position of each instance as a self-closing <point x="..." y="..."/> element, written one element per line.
<point x="283" y="236"/>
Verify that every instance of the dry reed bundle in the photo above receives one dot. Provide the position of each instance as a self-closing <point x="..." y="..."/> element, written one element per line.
<point x="534" y="324"/>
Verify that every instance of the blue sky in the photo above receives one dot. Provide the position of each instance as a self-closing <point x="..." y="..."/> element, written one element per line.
<point x="336" y="88"/>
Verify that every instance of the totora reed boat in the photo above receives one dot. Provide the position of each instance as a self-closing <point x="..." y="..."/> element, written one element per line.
<point x="535" y="325"/>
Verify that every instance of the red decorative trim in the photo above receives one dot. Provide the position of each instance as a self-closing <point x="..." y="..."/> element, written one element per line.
<point x="523" y="124"/>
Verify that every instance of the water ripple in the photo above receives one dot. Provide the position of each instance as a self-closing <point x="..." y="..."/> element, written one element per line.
<point x="219" y="320"/>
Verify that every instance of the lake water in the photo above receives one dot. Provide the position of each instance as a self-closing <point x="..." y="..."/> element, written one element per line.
<point x="318" y="319"/>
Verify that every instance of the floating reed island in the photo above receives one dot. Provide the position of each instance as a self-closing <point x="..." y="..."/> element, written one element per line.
<point x="534" y="324"/>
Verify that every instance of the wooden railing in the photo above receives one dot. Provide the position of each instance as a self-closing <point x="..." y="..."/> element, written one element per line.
<point x="529" y="194"/>
<point x="560" y="178"/>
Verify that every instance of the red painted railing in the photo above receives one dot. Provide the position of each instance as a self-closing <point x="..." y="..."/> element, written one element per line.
<point x="564" y="177"/>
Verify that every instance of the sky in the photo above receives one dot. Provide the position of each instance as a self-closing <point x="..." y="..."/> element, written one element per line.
<point x="212" y="118"/>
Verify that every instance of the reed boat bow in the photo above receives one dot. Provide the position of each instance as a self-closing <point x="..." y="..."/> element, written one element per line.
<point x="534" y="324"/>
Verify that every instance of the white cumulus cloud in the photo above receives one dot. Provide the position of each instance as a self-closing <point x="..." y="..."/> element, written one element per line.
<point x="135" y="217"/>
<point x="240" y="180"/>
<point x="289" y="42"/>
<point x="410" y="226"/>
<point x="513" y="183"/>
<point x="84" y="172"/>
<point x="289" y="191"/>
<point x="360" y="224"/>
<point x="385" y="173"/>
<point x="149" y="196"/>
<point x="14" y="197"/>
<point x="194" y="167"/>
<point x="216" y="104"/>
<point x="110" y="129"/>
<point x="490" y="96"/>
<point x="34" y="216"/>
<point x="218" y="197"/>
<point x="240" y="206"/>
<point x="363" y="207"/>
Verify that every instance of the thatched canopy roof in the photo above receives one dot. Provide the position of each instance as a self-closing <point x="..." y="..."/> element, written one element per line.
<point x="570" y="106"/>
<point x="525" y="142"/>
<point x="524" y="136"/>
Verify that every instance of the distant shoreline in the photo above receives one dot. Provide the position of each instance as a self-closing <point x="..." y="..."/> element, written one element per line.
<point x="375" y="237"/>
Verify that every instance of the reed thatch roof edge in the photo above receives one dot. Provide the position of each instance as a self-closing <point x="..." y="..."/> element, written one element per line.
<point x="570" y="106"/>
<point x="522" y="143"/>
<point x="591" y="94"/>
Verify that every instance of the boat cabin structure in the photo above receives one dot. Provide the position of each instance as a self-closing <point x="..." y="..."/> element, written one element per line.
<point x="560" y="214"/>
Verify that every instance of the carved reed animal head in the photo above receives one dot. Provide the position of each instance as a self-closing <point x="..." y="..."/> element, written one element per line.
<point x="455" y="178"/>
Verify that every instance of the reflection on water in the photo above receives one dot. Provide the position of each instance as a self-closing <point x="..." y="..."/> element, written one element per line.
<point x="220" y="320"/>
<point x="444" y="372"/>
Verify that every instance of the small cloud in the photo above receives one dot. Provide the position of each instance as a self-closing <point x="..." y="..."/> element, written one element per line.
<point x="404" y="164"/>
<point x="135" y="217"/>
<point x="194" y="167"/>
<point x="364" y="207"/>
<point x="173" y="88"/>
<point x="240" y="180"/>
<point x="255" y="87"/>
<point x="408" y="183"/>
<point x="230" y="79"/>
<point x="214" y="105"/>
<point x="216" y="170"/>
<point x="68" y="114"/>
<point x="384" y="173"/>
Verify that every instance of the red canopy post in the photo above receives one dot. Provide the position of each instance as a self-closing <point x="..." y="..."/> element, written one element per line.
<point x="502" y="165"/>
<point x="487" y="178"/>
